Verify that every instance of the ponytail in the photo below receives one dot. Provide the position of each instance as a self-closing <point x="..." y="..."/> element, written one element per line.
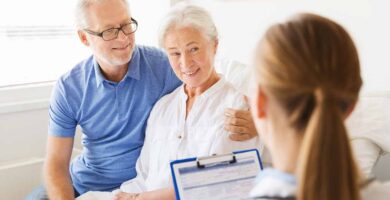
<point x="326" y="168"/>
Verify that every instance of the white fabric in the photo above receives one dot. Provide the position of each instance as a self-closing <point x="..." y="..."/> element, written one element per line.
<point x="369" y="129"/>
<point x="235" y="72"/>
<point x="170" y="136"/>
<point x="95" y="195"/>
<point x="273" y="187"/>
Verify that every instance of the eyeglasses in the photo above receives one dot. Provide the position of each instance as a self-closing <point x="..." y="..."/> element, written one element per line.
<point x="112" y="33"/>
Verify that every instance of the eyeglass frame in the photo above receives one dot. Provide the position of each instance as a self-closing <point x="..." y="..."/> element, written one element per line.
<point x="100" y="34"/>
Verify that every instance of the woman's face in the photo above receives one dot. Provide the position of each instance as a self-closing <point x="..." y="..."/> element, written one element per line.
<point x="191" y="55"/>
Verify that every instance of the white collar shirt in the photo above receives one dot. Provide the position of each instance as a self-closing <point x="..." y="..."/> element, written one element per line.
<point x="170" y="135"/>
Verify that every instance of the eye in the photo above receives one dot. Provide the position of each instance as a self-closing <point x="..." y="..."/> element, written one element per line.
<point x="175" y="54"/>
<point x="194" y="49"/>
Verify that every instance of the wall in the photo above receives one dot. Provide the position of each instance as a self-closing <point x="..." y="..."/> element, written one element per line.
<point x="22" y="150"/>
<point x="242" y="22"/>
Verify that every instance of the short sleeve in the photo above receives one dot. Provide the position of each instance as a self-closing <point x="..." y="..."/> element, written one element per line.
<point x="62" y="120"/>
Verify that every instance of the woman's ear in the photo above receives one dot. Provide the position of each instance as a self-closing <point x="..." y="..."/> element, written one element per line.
<point x="350" y="109"/>
<point x="216" y="42"/>
<point x="261" y="103"/>
<point x="83" y="37"/>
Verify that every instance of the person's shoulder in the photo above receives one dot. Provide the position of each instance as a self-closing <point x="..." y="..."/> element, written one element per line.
<point x="80" y="70"/>
<point x="228" y="86"/>
<point x="151" y="52"/>
<point x="231" y="93"/>
<point x="165" y="104"/>
<point x="168" y="99"/>
<point x="78" y="75"/>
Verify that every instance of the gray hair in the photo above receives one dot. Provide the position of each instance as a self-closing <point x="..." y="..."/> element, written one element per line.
<point x="187" y="15"/>
<point x="80" y="11"/>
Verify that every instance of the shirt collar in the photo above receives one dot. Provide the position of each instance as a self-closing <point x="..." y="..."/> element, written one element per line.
<point x="98" y="74"/>
<point x="134" y="65"/>
<point x="274" y="183"/>
<point x="132" y="72"/>
<point x="280" y="175"/>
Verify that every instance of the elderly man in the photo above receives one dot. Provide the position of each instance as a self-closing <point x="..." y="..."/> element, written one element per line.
<point x="109" y="95"/>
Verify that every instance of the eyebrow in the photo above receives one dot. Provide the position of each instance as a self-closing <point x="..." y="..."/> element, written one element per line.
<point x="190" y="43"/>
<point x="109" y="26"/>
<point x="174" y="48"/>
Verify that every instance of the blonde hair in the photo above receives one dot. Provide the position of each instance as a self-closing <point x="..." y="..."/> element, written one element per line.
<point x="311" y="66"/>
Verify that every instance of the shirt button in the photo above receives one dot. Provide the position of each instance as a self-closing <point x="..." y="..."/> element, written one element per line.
<point x="179" y="136"/>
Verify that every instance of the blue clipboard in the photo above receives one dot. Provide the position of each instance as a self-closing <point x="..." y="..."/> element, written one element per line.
<point x="192" y="176"/>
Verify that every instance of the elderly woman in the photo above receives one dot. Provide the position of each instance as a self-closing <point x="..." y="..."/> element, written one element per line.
<point x="188" y="122"/>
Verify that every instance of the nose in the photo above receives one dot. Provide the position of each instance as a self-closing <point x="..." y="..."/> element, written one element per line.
<point x="185" y="60"/>
<point x="122" y="35"/>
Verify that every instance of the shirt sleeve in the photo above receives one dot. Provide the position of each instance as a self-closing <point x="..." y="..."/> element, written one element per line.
<point x="223" y="144"/>
<point x="62" y="122"/>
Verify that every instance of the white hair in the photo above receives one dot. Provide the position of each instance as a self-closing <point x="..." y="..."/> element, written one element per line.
<point x="187" y="15"/>
<point x="80" y="11"/>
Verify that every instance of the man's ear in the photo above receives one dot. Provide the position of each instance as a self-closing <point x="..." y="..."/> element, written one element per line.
<point x="261" y="103"/>
<point x="83" y="37"/>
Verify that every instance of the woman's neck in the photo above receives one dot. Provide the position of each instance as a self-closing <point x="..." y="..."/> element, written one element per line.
<point x="284" y="149"/>
<point x="193" y="92"/>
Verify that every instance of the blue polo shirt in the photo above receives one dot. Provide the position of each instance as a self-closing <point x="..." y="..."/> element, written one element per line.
<point x="112" y="116"/>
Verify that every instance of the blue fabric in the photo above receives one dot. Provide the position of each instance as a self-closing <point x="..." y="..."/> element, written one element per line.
<point x="280" y="175"/>
<point x="112" y="116"/>
<point x="40" y="193"/>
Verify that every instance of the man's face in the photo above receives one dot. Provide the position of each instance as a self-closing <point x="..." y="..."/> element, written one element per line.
<point x="103" y="16"/>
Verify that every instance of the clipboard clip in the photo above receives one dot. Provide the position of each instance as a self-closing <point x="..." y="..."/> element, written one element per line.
<point x="230" y="158"/>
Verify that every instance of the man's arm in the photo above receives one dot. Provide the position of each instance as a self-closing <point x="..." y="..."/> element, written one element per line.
<point x="56" y="167"/>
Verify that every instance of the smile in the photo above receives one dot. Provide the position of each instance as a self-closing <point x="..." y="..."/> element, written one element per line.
<point x="191" y="72"/>
<point x="122" y="48"/>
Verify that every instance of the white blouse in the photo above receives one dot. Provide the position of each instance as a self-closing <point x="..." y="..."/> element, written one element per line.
<point x="170" y="136"/>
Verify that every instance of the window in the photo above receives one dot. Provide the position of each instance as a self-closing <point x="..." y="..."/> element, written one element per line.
<point x="34" y="37"/>
<point x="38" y="41"/>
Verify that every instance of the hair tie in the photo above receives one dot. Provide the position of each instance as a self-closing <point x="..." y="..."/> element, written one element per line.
<point x="319" y="94"/>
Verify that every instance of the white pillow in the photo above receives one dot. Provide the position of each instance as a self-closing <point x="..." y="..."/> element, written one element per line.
<point x="371" y="119"/>
<point x="369" y="129"/>
<point x="234" y="72"/>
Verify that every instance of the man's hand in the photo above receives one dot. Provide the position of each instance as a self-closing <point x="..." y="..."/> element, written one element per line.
<point x="240" y="124"/>
<point x="127" y="196"/>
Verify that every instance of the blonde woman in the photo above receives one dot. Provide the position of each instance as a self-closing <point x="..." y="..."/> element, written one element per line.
<point x="307" y="81"/>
